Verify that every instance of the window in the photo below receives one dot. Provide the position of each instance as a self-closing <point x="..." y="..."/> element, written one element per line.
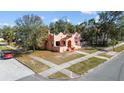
<point x="57" y="43"/>
<point x="63" y="43"/>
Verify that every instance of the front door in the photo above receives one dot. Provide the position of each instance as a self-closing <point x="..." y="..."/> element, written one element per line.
<point x="69" y="44"/>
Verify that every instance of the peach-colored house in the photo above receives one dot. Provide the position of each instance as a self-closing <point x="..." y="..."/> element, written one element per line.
<point x="63" y="42"/>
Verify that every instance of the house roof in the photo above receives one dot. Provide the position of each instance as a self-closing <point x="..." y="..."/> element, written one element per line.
<point x="67" y="36"/>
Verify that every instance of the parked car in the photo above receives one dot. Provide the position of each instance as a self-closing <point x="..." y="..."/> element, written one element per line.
<point x="6" y="54"/>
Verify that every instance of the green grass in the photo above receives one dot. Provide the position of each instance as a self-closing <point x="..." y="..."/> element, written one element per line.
<point x="35" y="66"/>
<point x="105" y="55"/>
<point x="88" y="50"/>
<point x="119" y="49"/>
<point x="72" y="57"/>
<point x="83" y="67"/>
<point x="58" y="75"/>
<point x="56" y="57"/>
<point x="4" y="48"/>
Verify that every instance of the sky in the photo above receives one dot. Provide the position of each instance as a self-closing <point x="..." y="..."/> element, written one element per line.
<point x="75" y="17"/>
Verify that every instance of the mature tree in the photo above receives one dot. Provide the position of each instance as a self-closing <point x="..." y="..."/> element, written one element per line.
<point x="69" y="28"/>
<point x="28" y="27"/>
<point x="1" y="32"/>
<point x="98" y="33"/>
<point x="89" y="31"/>
<point x="120" y="25"/>
<point x="82" y="29"/>
<point x="61" y="26"/>
<point x="57" y="27"/>
<point x="108" y="26"/>
<point x="41" y="37"/>
<point x="8" y="33"/>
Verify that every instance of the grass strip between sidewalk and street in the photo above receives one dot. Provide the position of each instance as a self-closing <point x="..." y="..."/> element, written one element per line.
<point x="83" y="67"/>
<point x="58" y="75"/>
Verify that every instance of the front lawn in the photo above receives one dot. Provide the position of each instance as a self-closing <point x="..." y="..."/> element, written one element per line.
<point x="119" y="49"/>
<point x="83" y="67"/>
<point x="105" y="55"/>
<point x="58" y="75"/>
<point x="88" y="49"/>
<point x="57" y="58"/>
<point x="35" y="66"/>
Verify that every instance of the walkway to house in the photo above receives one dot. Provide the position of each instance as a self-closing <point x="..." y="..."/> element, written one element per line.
<point x="55" y="68"/>
<point x="62" y="67"/>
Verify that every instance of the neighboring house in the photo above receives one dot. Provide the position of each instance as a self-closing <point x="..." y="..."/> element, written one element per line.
<point x="63" y="42"/>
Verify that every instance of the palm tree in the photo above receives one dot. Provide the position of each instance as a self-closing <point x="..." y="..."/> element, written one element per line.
<point x="8" y="33"/>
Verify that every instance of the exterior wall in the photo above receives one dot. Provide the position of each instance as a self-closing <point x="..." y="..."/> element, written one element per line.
<point x="58" y="38"/>
<point x="73" y="43"/>
<point x="56" y="49"/>
<point x="62" y="49"/>
<point x="51" y="42"/>
<point x="76" y="40"/>
<point x="59" y="49"/>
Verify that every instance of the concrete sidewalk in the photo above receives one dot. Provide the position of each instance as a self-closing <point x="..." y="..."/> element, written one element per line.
<point x="54" y="68"/>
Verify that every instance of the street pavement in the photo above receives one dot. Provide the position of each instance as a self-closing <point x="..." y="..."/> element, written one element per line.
<point x="33" y="77"/>
<point x="11" y="69"/>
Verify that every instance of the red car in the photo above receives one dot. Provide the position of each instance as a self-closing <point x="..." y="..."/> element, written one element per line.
<point x="7" y="55"/>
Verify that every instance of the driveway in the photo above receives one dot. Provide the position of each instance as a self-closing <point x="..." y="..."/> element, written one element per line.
<point x="111" y="71"/>
<point x="11" y="69"/>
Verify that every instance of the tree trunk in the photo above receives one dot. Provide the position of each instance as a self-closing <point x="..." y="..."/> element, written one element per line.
<point x="113" y="47"/>
<point x="33" y="48"/>
<point x="96" y="40"/>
